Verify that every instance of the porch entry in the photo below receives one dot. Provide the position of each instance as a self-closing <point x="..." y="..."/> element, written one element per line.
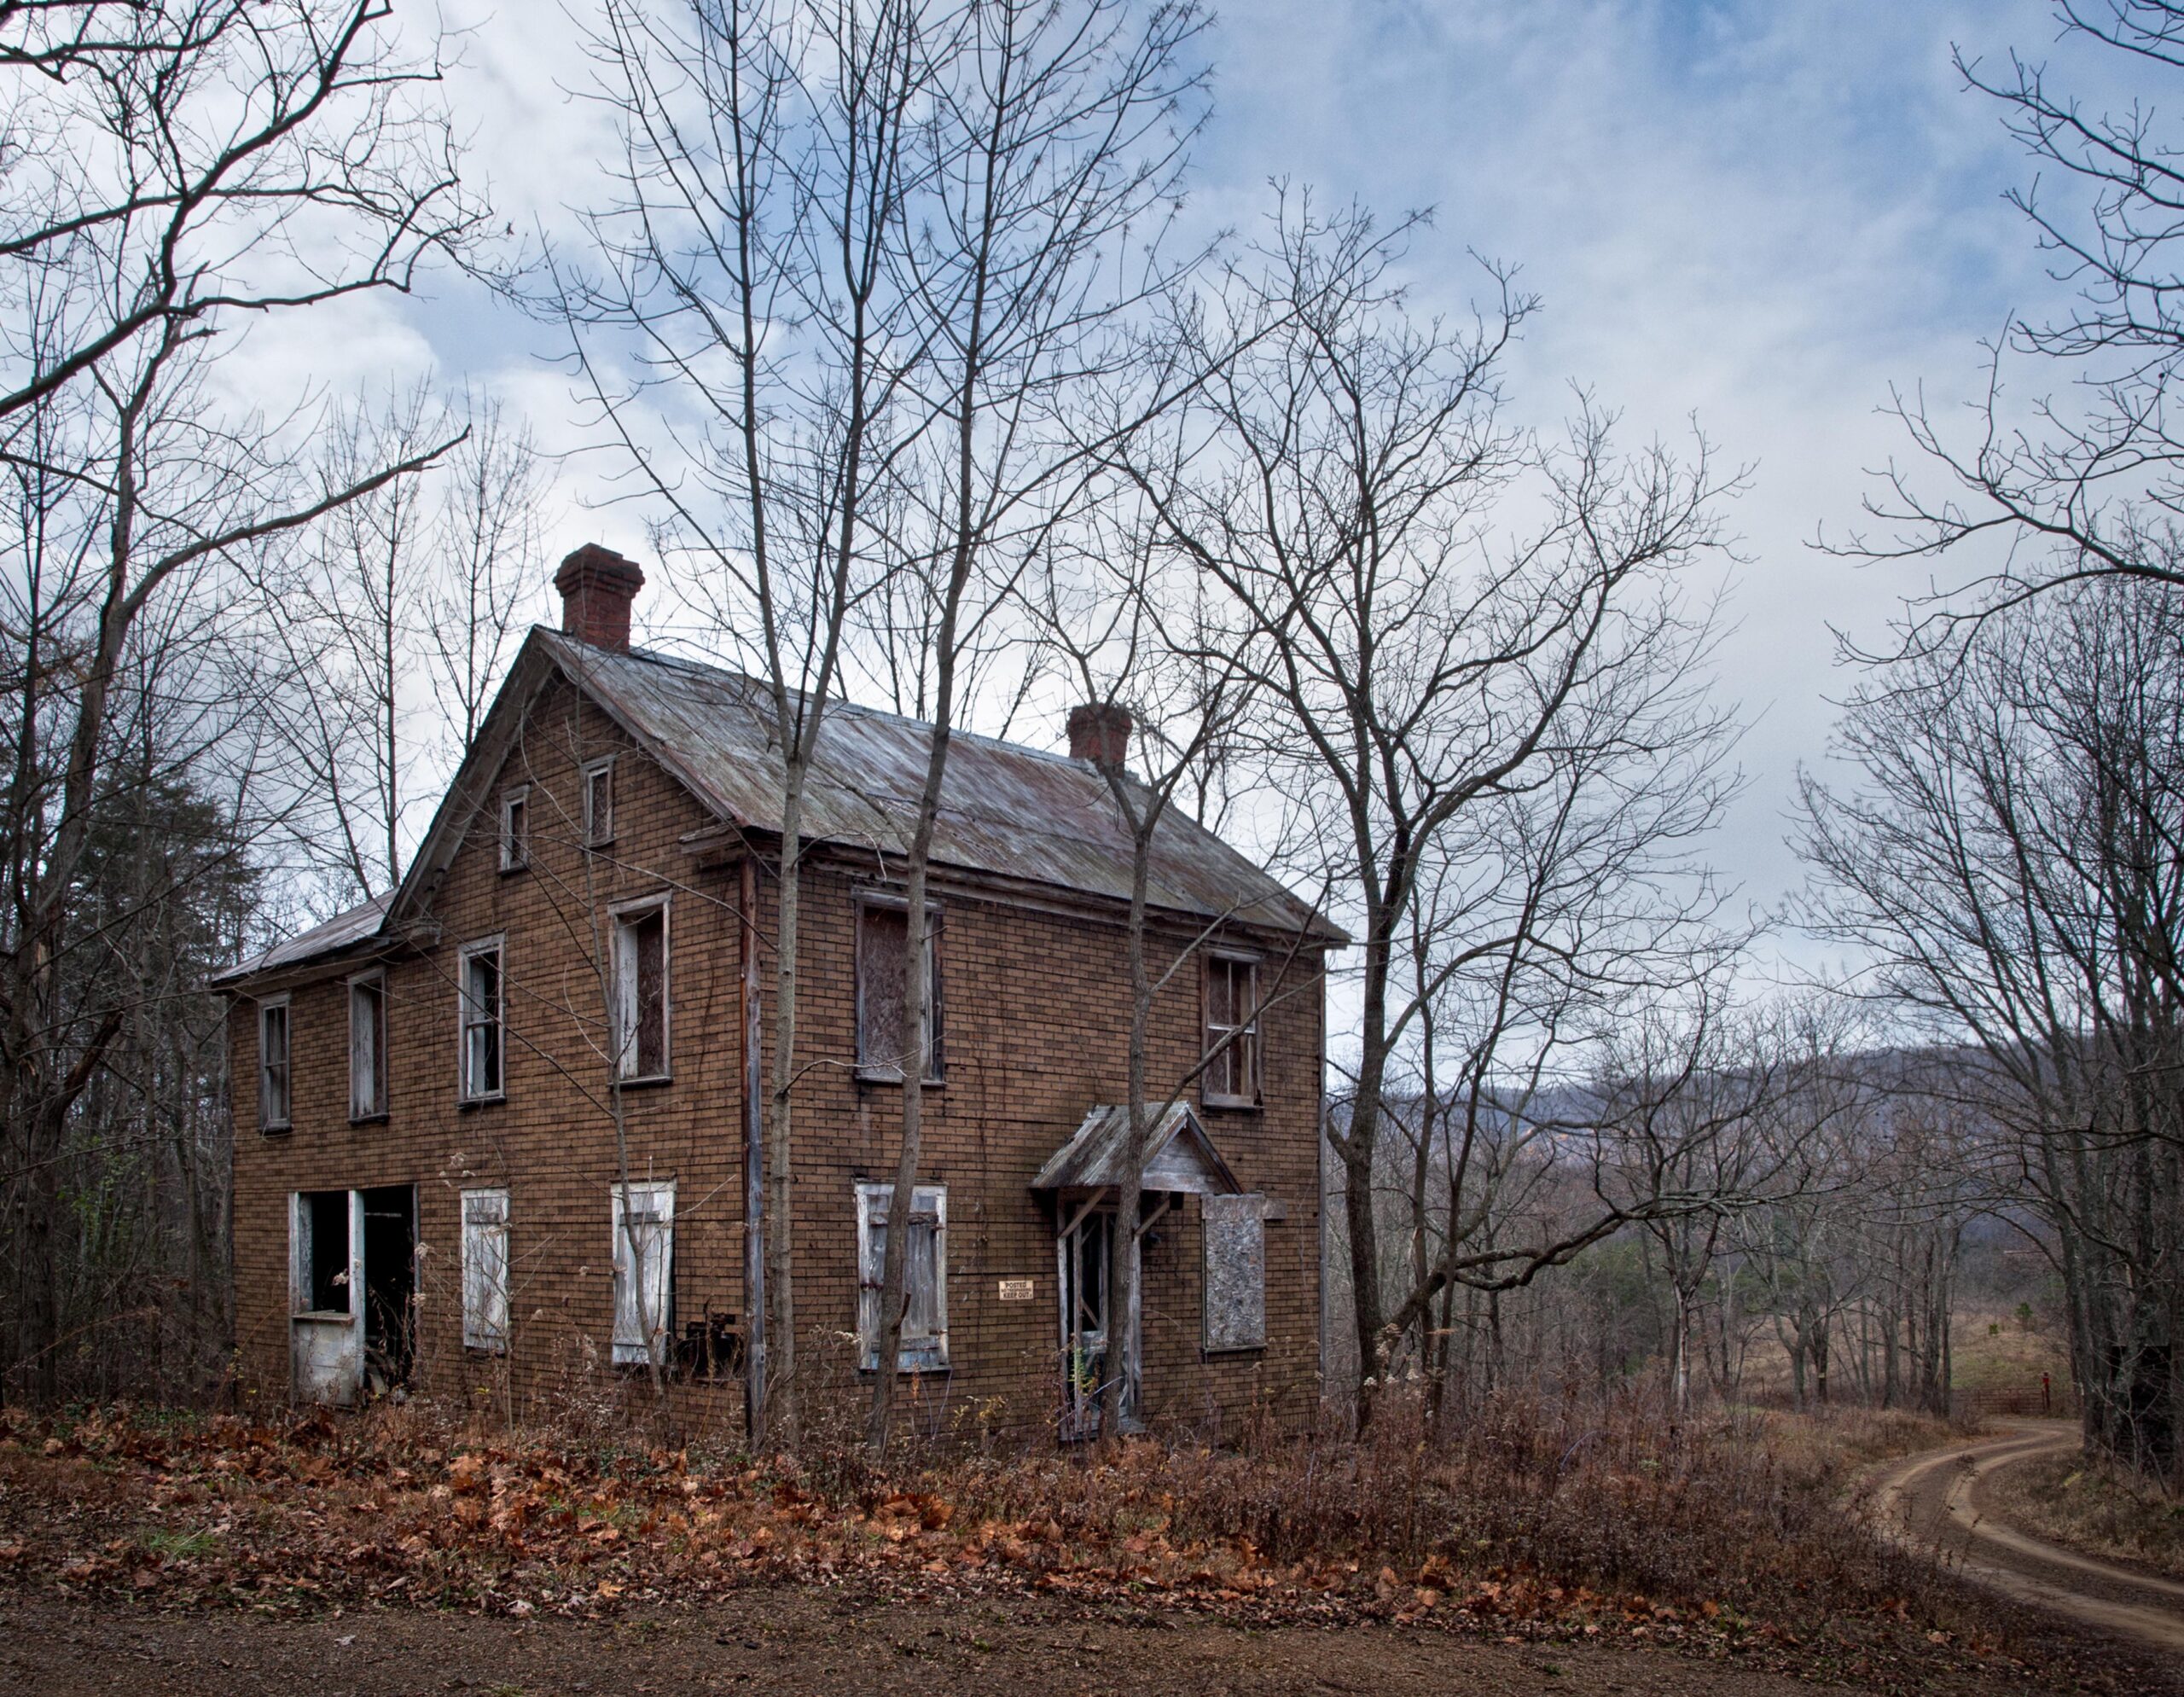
<point x="352" y="1287"/>
<point x="1082" y="1179"/>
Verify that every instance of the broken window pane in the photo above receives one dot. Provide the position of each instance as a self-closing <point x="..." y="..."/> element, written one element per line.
<point x="1231" y="1035"/>
<point x="482" y="1043"/>
<point x="322" y="1257"/>
<point x="515" y="830"/>
<point x="599" y="802"/>
<point x="367" y="1048"/>
<point x="641" y="995"/>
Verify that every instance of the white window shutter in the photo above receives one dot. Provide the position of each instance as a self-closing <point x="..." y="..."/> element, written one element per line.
<point x="484" y="1270"/>
<point x="643" y="1317"/>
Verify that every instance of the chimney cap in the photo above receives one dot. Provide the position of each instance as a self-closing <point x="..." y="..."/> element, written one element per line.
<point x="1100" y="731"/>
<point x="597" y="585"/>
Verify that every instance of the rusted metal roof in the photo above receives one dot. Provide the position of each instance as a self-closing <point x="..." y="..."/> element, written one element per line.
<point x="1005" y="809"/>
<point x="341" y="931"/>
<point x="1179" y="1155"/>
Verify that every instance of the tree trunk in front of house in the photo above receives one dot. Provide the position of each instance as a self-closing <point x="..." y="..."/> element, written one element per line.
<point x="779" y="1402"/>
<point x="1124" y="1371"/>
<point x="1358" y="1150"/>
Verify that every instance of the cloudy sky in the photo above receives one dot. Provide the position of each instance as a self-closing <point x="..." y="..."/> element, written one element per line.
<point x="1760" y="215"/>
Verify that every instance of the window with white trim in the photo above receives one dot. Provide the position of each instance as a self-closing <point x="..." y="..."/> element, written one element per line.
<point x="275" y="1084"/>
<point x="883" y="948"/>
<point x="924" y="1346"/>
<point x="368" y="1046"/>
<point x="599" y="801"/>
<point x="484" y="997"/>
<point x="644" y="1270"/>
<point x="515" y="828"/>
<point x="485" y="1269"/>
<point x="641" y="1004"/>
<point x="1232" y="1031"/>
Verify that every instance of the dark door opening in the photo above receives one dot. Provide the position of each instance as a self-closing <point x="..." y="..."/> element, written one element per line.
<point x="390" y="1285"/>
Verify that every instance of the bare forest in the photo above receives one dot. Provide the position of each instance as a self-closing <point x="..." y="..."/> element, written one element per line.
<point x="894" y="332"/>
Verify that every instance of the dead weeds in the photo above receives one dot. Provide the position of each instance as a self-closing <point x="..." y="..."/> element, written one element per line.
<point x="1534" y="1520"/>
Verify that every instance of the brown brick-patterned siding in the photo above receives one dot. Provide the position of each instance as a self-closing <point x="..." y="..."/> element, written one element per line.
<point x="1037" y="1009"/>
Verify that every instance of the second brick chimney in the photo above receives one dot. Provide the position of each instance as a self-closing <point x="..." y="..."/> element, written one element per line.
<point x="597" y="585"/>
<point x="1099" y="732"/>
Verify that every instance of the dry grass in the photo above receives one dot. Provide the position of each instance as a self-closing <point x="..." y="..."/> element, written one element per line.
<point x="2096" y="1508"/>
<point x="1540" y="1516"/>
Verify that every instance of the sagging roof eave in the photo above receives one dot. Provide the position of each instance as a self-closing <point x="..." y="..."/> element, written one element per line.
<point x="730" y="839"/>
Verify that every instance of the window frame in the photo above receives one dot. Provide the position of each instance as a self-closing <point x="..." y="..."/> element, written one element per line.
<point x="268" y="1122"/>
<point x="478" y="1336"/>
<point x="495" y="945"/>
<point x="373" y="978"/>
<point x="619" y="915"/>
<point x="516" y="845"/>
<point x="1254" y="1030"/>
<point x="936" y="1045"/>
<point x="635" y="1354"/>
<point x="931" y="1355"/>
<point x="602" y="773"/>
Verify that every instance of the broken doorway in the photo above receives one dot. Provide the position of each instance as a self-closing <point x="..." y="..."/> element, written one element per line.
<point x="1083" y="1248"/>
<point x="353" y="1275"/>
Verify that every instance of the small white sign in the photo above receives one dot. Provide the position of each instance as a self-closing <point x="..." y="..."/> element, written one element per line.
<point x="1016" y="1290"/>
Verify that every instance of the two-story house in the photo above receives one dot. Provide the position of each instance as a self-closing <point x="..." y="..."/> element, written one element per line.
<point x="440" y="1097"/>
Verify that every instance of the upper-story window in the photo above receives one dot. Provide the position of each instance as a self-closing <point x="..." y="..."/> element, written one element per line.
<point x="883" y="1045"/>
<point x="274" y="1083"/>
<point x="1232" y="1031"/>
<point x="481" y="982"/>
<point x="641" y="1005"/>
<point x="515" y="828"/>
<point x="599" y="801"/>
<point x="368" y="1046"/>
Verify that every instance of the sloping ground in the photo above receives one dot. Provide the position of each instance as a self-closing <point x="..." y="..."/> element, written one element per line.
<point x="1946" y="1500"/>
<point x="2094" y="1510"/>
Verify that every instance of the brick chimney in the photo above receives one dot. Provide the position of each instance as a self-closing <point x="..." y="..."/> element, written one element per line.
<point x="597" y="585"/>
<point x="1099" y="732"/>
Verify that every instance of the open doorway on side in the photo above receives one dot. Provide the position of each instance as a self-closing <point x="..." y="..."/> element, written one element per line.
<point x="390" y="1216"/>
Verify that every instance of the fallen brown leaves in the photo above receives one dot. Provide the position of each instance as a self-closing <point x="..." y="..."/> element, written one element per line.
<point x="406" y="1506"/>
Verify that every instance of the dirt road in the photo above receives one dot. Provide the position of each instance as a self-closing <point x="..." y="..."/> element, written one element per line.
<point x="1940" y="1499"/>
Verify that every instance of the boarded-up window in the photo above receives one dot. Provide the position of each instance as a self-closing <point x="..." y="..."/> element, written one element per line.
<point x="599" y="802"/>
<point x="485" y="1269"/>
<point x="515" y="828"/>
<point x="368" y="1047"/>
<point x="1232" y="1031"/>
<point x="925" y="1319"/>
<point x="641" y="993"/>
<point x="644" y="1271"/>
<point x="484" y="1043"/>
<point x="1235" y="1271"/>
<point x="882" y="956"/>
<point x="274" y="1083"/>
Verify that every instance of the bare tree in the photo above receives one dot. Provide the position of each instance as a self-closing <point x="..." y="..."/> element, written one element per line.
<point x="1422" y="668"/>
<point x="2010" y="855"/>
<point x="157" y="194"/>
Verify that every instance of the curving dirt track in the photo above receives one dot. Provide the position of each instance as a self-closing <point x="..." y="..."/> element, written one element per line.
<point x="1938" y="1500"/>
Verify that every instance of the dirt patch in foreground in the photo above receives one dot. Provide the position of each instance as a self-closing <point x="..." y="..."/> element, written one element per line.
<point x="786" y="1642"/>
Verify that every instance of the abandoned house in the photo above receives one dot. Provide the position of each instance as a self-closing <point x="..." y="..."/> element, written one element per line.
<point x="428" y="1181"/>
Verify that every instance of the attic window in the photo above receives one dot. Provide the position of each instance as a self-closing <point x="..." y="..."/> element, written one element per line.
<point x="515" y="828"/>
<point x="1231" y="1031"/>
<point x="883" y="928"/>
<point x="599" y="802"/>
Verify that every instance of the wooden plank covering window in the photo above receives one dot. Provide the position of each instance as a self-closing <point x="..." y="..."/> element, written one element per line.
<point x="368" y="1046"/>
<point x="1235" y="1271"/>
<point x="485" y="1269"/>
<point x="641" y="1008"/>
<point x="644" y="1273"/>
<point x="925" y="1319"/>
<point x="883" y="1047"/>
